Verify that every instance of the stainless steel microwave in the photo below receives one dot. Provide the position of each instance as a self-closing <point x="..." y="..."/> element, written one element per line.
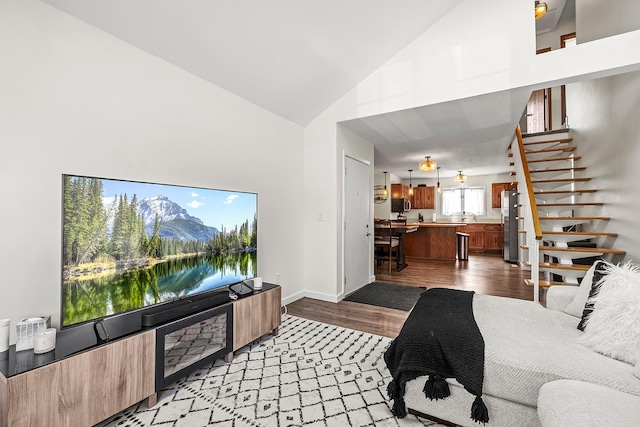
<point x="400" y="205"/>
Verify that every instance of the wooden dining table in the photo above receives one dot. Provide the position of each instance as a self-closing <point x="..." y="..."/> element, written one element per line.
<point x="400" y="230"/>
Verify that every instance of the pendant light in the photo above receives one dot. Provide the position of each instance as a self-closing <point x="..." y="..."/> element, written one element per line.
<point x="386" y="192"/>
<point x="460" y="177"/>
<point x="427" y="165"/>
<point x="410" y="186"/>
<point x="540" y="9"/>
<point x="438" y="188"/>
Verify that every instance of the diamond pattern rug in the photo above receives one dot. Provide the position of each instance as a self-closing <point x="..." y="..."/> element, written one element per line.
<point x="311" y="374"/>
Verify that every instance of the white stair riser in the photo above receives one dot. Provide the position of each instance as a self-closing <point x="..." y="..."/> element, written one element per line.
<point x="554" y="175"/>
<point x="564" y="238"/>
<point x="569" y="255"/>
<point x="548" y="224"/>
<point x="537" y="138"/>
<point x="564" y="273"/>
<point x="557" y="210"/>
<point x="558" y="185"/>
<point x="547" y="155"/>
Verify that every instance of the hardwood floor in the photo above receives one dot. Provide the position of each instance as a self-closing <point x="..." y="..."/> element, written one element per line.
<point x="484" y="274"/>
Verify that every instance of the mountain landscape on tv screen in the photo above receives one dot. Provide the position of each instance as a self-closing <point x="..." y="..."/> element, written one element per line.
<point x="176" y="223"/>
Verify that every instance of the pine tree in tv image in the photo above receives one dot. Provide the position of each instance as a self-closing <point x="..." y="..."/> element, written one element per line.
<point x="128" y="245"/>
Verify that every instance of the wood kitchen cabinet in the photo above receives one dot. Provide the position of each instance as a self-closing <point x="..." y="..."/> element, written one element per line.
<point x="423" y="198"/>
<point x="496" y="192"/>
<point x="476" y="236"/>
<point x="493" y="237"/>
<point x="484" y="237"/>
<point x="399" y="191"/>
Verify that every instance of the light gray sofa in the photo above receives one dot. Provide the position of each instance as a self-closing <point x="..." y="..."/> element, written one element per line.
<point x="536" y="373"/>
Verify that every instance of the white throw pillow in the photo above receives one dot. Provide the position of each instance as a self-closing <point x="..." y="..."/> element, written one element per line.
<point x="576" y="306"/>
<point x="613" y="328"/>
<point x="636" y="370"/>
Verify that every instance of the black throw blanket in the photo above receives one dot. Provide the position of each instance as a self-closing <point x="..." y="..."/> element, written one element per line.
<point x="441" y="339"/>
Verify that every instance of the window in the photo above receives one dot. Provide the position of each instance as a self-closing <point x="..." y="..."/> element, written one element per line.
<point x="456" y="201"/>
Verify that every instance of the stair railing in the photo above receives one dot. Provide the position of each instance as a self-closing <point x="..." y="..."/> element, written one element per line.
<point x="528" y="213"/>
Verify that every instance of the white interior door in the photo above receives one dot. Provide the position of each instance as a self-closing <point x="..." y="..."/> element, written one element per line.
<point x="357" y="235"/>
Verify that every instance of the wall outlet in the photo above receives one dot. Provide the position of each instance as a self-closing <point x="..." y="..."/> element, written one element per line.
<point x="277" y="278"/>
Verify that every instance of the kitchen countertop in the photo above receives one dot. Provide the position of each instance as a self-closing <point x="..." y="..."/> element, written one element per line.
<point x="448" y="224"/>
<point x="438" y="224"/>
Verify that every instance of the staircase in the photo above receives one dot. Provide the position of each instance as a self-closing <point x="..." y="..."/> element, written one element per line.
<point x="560" y="225"/>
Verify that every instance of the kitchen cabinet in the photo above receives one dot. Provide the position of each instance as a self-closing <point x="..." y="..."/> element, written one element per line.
<point x="493" y="237"/>
<point x="399" y="191"/>
<point x="432" y="241"/>
<point x="496" y="192"/>
<point x="423" y="198"/>
<point x="484" y="237"/>
<point x="476" y="236"/>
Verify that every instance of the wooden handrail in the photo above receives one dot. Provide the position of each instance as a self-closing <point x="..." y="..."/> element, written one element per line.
<point x="527" y="177"/>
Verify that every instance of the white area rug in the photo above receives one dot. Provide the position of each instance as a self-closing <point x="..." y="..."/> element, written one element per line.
<point x="311" y="374"/>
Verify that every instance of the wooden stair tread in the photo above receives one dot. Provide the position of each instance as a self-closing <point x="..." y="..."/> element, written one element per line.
<point x="548" y="150"/>
<point x="543" y="181"/>
<point x="567" y="192"/>
<point x="569" y="204"/>
<point x="574" y="267"/>
<point x="579" y="218"/>
<point x="552" y="170"/>
<point x="546" y="283"/>
<point x="582" y="233"/>
<point x="548" y="141"/>
<point x="576" y="169"/>
<point x="579" y="249"/>
<point x="551" y="150"/>
<point x="554" y="159"/>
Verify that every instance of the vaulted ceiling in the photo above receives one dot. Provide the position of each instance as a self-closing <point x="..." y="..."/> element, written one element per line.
<point x="298" y="57"/>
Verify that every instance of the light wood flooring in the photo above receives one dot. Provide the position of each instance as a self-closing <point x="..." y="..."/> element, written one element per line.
<point x="484" y="274"/>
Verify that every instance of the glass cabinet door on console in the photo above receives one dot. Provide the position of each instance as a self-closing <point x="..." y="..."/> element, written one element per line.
<point x="186" y="344"/>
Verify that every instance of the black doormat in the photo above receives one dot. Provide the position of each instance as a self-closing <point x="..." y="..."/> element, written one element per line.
<point x="387" y="295"/>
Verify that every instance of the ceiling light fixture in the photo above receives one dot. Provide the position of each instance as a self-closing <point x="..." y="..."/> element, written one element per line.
<point x="438" y="187"/>
<point x="428" y="165"/>
<point x="540" y="9"/>
<point x="410" y="186"/>
<point x="460" y="177"/>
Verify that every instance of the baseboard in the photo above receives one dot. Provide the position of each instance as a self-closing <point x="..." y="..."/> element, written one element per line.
<point x="322" y="297"/>
<point x="293" y="298"/>
<point x="314" y="295"/>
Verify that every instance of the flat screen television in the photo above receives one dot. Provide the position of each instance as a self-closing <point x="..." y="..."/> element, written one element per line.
<point x="130" y="245"/>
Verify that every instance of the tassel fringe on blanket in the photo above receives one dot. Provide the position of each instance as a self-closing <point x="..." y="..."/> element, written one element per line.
<point x="436" y="388"/>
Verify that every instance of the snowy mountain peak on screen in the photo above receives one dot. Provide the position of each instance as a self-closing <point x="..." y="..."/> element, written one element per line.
<point x="166" y="209"/>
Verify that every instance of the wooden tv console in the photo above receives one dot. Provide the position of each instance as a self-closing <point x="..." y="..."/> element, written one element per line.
<point x="90" y="386"/>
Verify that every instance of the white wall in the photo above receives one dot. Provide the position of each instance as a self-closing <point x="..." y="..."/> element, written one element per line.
<point x="76" y="100"/>
<point x="597" y="19"/>
<point x="604" y="124"/>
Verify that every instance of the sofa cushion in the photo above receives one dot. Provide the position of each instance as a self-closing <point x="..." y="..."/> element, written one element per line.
<point x="636" y="370"/>
<point x="575" y="403"/>
<point x="527" y="345"/>
<point x="576" y="306"/>
<point x="613" y="328"/>
<point x="600" y="271"/>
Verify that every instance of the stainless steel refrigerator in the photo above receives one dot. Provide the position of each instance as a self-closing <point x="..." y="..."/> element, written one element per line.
<point x="510" y="220"/>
